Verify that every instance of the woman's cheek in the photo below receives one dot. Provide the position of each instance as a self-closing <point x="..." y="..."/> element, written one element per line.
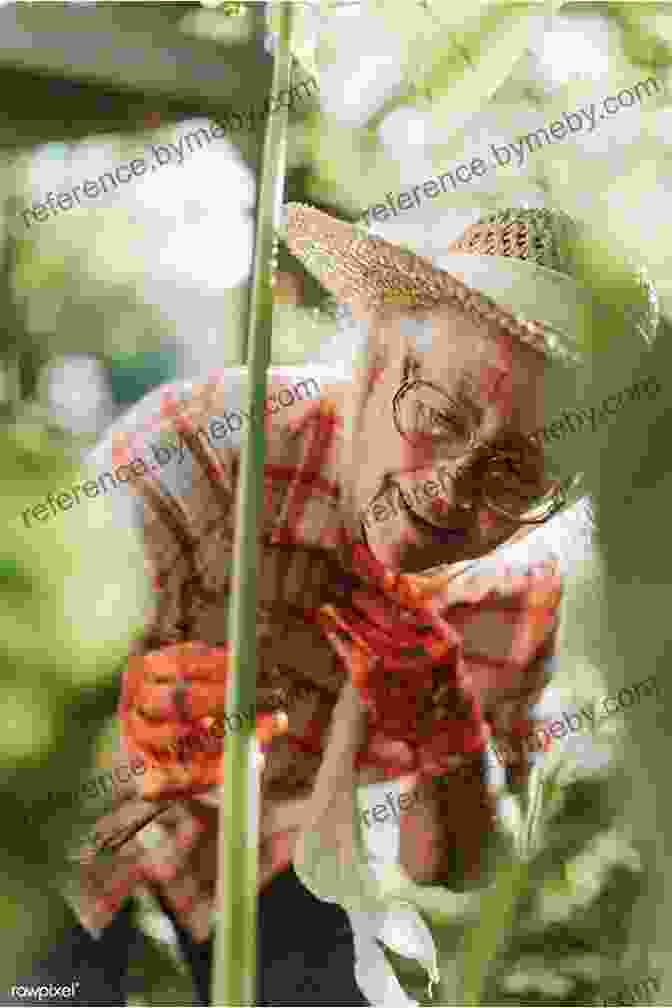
<point x="418" y="453"/>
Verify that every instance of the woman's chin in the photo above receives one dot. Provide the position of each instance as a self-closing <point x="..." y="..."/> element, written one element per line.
<point x="414" y="557"/>
<point x="410" y="543"/>
<point x="417" y="559"/>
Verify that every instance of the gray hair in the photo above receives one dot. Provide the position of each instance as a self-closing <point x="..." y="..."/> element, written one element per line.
<point x="347" y="344"/>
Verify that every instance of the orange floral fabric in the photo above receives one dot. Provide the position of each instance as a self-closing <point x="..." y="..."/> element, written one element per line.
<point x="172" y="713"/>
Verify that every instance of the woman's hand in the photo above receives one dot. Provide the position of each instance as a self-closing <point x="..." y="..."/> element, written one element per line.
<point x="175" y="856"/>
<point x="175" y="852"/>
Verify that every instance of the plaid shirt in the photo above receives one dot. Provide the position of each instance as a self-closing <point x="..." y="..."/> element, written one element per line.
<point x="432" y="658"/>
<point x="442" y="662"/>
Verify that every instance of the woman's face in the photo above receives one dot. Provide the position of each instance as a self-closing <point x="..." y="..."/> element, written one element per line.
<point x="441" y="456"/>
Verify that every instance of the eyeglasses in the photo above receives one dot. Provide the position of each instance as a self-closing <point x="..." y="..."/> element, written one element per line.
<point x="506" y="476"/>
<point x="424" y="412"/>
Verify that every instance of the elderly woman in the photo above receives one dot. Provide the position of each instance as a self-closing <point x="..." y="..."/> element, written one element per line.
<point x="400" y="623"/>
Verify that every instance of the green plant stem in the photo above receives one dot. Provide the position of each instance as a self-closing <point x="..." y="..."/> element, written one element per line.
<point x="10" y="331"/>
<point x="10" y="380"/>
<point x="235" y="946"/>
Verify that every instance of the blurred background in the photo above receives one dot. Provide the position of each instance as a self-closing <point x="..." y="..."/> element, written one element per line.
<point x="149" y="283"/>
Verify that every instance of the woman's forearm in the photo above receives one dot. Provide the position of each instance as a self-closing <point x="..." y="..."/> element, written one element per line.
<point x="336" y="777"/>
<point x="326" y="857"/>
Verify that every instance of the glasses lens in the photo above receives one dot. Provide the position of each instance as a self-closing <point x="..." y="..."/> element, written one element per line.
<point x="509" y="478"/>
<point x="526" y="508"/>
<point x="423" y="412"/>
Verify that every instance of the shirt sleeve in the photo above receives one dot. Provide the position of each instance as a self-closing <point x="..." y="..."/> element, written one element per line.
<point x="180" y="466"/>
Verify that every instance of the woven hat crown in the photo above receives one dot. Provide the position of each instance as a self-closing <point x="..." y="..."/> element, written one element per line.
<point x="551" y="239"/>
<point x="545" y="237"/>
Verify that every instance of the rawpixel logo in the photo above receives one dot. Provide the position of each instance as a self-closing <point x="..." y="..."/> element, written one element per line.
<point x="45" y="990"/>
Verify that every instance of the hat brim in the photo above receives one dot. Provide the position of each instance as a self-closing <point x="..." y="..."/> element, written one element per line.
<point x="367" y="273"/>
<point x="527" y="290"/>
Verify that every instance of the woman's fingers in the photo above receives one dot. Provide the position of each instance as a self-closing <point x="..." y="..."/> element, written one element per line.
<point x="165" y="858"/>
<point x="176" y="854"/>
<point x="183" y="867"/>
<point x="105" y="883"/>
<point x="184" y="895"/>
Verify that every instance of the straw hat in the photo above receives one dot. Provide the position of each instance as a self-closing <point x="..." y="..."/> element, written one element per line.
<point x="518" y="268"/>
<point x="515" y="267"/>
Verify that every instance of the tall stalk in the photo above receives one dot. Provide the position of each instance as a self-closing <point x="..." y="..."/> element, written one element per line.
<point x="235" y="947"/>
<point x="10" y="330"/>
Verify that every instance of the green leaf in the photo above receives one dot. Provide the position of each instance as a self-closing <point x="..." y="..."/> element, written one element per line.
<point x="349" y="167"/>
<point x="452" y="59"/>
<point x="305" y="39"/>
<point x="483" y="942"/>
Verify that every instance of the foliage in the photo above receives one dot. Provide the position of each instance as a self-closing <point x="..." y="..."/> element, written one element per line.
<point x="634" y="488"/>
<point x="298" y="333"/>
<point x="70" y="597"/>
<point x="73" y="306"/>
